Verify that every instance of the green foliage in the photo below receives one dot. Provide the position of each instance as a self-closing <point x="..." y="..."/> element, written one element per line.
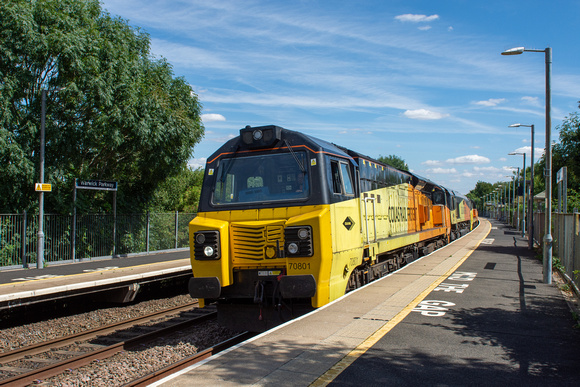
<point x="179" y="193"/>
<point x="481" y="188"/>
<point x="394" y="161"/>
<point x="121" y="116"/>
<point x="564" y="153"/>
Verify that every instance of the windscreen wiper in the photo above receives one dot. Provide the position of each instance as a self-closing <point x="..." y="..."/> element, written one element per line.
<point x="295" y="157"/>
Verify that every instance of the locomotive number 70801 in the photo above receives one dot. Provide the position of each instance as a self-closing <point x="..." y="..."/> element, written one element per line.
<point x="299" y="266"/>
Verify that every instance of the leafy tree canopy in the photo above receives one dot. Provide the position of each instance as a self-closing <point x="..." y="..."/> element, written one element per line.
<point x="179" y="193"/>
<point x="565" y="153"/>
<point x="112" y="111"/>
<point x="481" y="189"/>
<point x="394" y="161"/>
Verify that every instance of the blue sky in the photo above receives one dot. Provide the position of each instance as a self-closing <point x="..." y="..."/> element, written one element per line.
<point x="423" y="80"/>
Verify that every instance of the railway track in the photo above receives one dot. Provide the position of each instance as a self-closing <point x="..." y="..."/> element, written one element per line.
<point x="43" y="354"/>
<point x="189" y="361"/>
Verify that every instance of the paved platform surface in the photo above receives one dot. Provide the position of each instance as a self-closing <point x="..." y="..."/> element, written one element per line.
<point x="472" y="313"/>
<point x="20" y="286"/>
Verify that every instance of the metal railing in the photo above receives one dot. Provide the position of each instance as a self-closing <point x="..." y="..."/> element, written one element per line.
<point x="93" y="236"/>
<point x="566" y="233"/>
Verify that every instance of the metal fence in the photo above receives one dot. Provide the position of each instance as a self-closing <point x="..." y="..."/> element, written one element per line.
<point x="565" y="234"/>
<point x="567" y="243"/>
<point x="91" y="236"/>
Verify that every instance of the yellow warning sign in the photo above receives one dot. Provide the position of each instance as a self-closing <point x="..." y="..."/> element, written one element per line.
<point x="42" y="187"/>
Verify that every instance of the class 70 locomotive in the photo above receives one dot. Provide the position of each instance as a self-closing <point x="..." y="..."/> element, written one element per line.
<point x="288" y="222"/>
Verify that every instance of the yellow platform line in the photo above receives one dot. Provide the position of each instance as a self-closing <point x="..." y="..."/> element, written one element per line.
<point x="346" y="361"/>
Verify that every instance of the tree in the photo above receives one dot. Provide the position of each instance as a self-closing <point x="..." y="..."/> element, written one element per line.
<point x="394" y="161"/>
<point x="119" y="115"/>
<point x="481" y="189"/>
<point x="179" y="193"/>
<point x="564" y="153"/>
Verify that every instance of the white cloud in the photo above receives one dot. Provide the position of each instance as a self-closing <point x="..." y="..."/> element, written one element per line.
<point x="469" y="159"/>
<point x="432" y="162"/>
<point x="533" y="101"/>
<point x="197" y="163"/>
<point x="442" y="170"/>
<point x="425" y="28"/>
<point x="357" y="131"/>
<point x="424" y="114"/>
<point x="538" y="152"/>
<point x="211" y="117"/>
<point x="490" y="102"/>
<point x="416" y="18"/>
<point x="486" y="169"/>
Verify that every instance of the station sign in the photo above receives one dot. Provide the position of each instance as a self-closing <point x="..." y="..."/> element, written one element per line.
<point x="97" y="185"/>
<point x="42" y="187"/>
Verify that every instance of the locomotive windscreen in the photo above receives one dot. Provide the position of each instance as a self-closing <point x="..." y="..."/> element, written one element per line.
<point x="263" y="178"/>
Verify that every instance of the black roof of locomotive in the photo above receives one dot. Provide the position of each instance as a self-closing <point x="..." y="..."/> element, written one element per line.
<point x="289" y="138"/>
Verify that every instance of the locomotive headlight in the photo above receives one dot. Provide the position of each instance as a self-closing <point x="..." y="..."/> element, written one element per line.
<point x="206" y="245"/>
<point x="257" y="134"/>
<point x="298" y="241"/>
<point x="292" y="248"/>
<point x="208" y="251"/>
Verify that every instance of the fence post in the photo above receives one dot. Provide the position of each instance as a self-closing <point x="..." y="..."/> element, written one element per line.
<point x="147" y="233"/>
<point x="176" y="226"/>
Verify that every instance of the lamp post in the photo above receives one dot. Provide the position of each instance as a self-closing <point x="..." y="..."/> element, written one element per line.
<point x="547" y="264"/>
<point x="509" y="201"/>
<point x="514" y="198"/>
<point x="524" y="190"/>
<point x="506" y="196"/>
<point x="531" y="196"/>
<point x="497" y="202"/>
<point x="40" y="234"/>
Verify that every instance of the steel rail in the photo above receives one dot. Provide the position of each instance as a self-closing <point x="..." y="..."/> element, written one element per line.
<point x="189" y="361"/>
<point x="100" y="354"/>
<point x="44" y="346"/>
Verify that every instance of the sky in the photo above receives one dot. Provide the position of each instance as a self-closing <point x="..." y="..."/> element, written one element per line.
<point x="421" y="80"/>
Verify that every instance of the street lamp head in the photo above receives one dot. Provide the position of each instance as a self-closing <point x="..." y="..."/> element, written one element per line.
<point x="515" y="153"/>
<point x="518" y="125"/>
<point x="514" y="51"/>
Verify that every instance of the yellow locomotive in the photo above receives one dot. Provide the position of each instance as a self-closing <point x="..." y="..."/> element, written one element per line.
<point x="288" y="222"/>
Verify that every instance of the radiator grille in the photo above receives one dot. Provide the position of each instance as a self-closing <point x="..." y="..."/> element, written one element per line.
<point x="250" y="242"/>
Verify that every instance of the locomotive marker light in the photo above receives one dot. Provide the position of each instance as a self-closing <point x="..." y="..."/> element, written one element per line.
<point x="531" y="197"/>
<point x="547" y="261"/>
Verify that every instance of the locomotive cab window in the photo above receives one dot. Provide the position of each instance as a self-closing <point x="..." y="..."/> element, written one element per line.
<point x="264" y="178"/>
<point x="341" y="178"/>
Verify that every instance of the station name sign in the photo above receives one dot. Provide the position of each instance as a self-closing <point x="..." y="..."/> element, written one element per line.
<point x="96" y="184"/>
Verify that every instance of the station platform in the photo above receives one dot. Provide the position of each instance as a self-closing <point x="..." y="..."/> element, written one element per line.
<point x="123" y="275"/>
<point x="474" y="312"/>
